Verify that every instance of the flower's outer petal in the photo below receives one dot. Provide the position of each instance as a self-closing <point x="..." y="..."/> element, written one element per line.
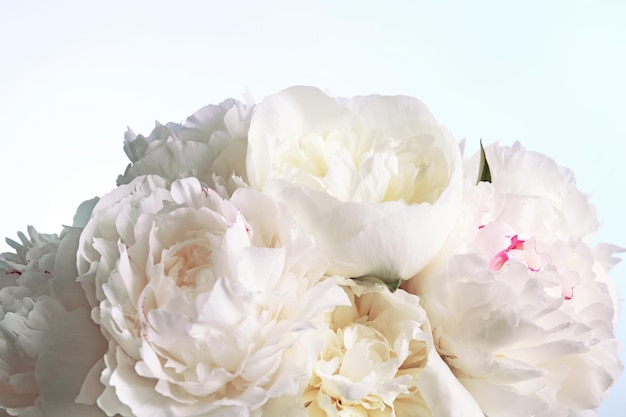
<point x="388" y="240"/>
<point x="398" y="114"/>
<point x="64" y="284"/>
<point x="83" y="213"/>
<point x="443" y="392"/>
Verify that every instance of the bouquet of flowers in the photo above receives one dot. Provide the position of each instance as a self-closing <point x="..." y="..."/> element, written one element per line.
<point x="314" y="256"/>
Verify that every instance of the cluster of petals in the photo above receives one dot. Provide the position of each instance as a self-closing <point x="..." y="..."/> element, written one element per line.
<point x="210" y="146"/>
<point x="313" y="255"/>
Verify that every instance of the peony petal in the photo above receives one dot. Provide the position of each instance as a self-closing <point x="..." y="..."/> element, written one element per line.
<point x="355" y="236"/>
<point x="442" y="391"/>
<point x="64" y="284"/>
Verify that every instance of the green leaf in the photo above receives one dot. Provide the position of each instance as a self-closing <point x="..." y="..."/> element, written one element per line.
<point x="393" y="286"/>
<point x="484" y="174"/>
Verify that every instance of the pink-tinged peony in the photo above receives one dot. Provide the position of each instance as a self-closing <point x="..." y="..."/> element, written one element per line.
<point x="375" y="179"/>
<point x="379" y="360"/>
<point x="521" y="305"/>
<point x="210" y="145"/>
<point x="211" y="307"/>
<point x="48" y="342"/>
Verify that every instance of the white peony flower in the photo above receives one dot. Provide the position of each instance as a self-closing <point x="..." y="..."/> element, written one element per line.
<point x="374" y="179"/>
<point x="210" y="306"/>
<point x="48" y="343"/>
<point x="210" y="145"/>
<point x="522" y="308"/>
<point x="379" y="360"/>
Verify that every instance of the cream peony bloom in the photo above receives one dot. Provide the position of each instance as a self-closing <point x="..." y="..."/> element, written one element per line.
<point x="48" y="343"/>
<point x="379" y="360"/>
<point x="522" y="307"/>
<point x="374" y="179"/>
<point x="210" y="145"/>
<point x="211" y="306"/>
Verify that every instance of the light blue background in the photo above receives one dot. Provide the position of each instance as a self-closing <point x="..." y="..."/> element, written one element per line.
<point x="74" y="74"/>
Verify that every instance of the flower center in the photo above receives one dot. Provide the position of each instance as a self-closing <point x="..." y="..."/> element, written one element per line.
<point x="365" y="165"/>
<point x="187" y="260"/>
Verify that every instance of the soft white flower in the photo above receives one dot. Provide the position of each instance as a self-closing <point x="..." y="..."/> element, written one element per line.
<point x="522" y="307"/>
<point x="210" y="306"/>
<point x="375" y="179"/>
<point x="379" y="360"/>
<point x="210" y="145"/>
<point x="48" y="342"/>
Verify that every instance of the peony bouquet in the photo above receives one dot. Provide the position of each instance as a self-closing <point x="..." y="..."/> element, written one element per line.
<point x="314" y="256"/>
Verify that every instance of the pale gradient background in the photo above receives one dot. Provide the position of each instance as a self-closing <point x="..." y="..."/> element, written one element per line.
<point x="74" y="74"/>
